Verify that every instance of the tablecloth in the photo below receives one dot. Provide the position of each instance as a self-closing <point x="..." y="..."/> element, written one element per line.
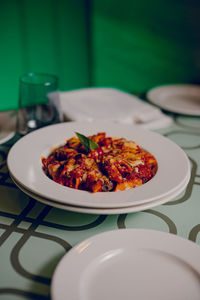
<point x="34" y="237"/>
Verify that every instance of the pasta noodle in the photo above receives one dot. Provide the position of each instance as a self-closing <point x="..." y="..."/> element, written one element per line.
<point x="115" y="165"/>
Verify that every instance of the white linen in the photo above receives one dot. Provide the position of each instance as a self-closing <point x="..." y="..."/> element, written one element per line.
<point x="109" y="104"/>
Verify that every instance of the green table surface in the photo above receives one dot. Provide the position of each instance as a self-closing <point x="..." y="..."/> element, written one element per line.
<point x="34" y="237"/>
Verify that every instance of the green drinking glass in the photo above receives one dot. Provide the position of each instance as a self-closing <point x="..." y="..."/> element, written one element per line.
<point x="39" y="104"/>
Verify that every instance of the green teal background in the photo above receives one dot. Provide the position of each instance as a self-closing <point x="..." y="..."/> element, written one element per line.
<point x="131" y="45"/>
<point x="140" y="44"/>
<point x="42" y="36"/>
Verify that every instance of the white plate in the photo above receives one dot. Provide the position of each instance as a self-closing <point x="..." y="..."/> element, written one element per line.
<point x="24" y="164"/>
<point x="104" y="211"/>
<point x="129" y="264"/>
<point x="183" y="99"/>
<point x="7" y="126"/>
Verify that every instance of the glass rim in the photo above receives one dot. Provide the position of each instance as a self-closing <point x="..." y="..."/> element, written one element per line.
<point x="51" y="79"/>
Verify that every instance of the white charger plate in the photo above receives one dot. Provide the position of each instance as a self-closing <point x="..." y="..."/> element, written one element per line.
<point x="103" y="211"/>
<point x="129" y="264"/>
<point x="183" y="99"/>
<point x="24" y="164"/>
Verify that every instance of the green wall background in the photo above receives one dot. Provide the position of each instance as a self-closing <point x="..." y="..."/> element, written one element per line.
<point x="46" y="36"/>
<point x="130" y="44"/>
<point x="139" y="44"/>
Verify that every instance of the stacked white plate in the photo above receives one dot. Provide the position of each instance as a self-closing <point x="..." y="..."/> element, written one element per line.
<point x="25" y="167"/>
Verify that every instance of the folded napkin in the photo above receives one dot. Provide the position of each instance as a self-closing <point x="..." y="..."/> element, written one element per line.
<point x="110" y="104"/>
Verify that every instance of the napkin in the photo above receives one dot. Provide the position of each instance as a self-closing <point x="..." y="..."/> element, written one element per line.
<point x="110" y="104"/>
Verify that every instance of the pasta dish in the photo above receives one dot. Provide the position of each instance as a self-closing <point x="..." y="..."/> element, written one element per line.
<point x="100" y="164"/>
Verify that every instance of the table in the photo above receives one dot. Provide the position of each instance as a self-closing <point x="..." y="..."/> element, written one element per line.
<point x="34" y="237"/>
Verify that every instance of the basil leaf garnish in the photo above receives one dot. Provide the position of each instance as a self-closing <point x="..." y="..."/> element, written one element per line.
<point x="86" y="142"/>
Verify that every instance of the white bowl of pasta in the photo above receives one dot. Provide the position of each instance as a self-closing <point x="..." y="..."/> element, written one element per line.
<point x="128" y="166"/>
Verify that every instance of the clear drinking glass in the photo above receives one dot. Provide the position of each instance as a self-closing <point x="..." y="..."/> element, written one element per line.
<point x="38" y="102"/>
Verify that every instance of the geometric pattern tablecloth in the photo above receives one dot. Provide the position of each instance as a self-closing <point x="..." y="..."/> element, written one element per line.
<point x="34" y="237"/>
